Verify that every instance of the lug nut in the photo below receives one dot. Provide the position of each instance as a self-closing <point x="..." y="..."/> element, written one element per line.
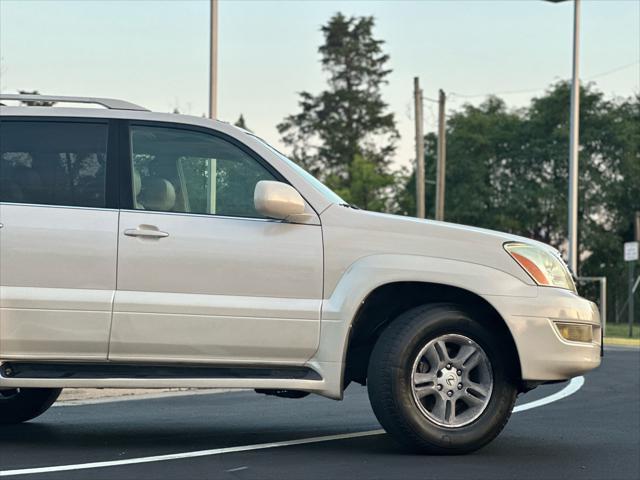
<point x="459" y="386"/>
<point x="448" y="366"/>
<point x="459" y="372"/>
<point x="450" y="392"/>
<point x="439" y="387"/>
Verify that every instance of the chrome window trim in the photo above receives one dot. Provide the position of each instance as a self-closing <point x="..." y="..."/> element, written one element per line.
<point x="46" y="205"/>
<point x="213" y="216"/>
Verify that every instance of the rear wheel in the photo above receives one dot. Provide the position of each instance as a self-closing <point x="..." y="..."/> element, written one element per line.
<point x="21" y="404"/>
<point x="439" y="381"/>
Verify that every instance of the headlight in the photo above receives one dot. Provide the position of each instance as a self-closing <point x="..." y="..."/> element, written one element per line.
<point x="544" y="267"/>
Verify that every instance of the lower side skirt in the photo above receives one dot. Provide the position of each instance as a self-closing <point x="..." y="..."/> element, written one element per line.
<point x="108" y="370"/>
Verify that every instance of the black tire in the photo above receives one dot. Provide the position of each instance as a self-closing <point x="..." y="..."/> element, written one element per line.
<point x="23" y="404"/>
<point x="390" y="385"/>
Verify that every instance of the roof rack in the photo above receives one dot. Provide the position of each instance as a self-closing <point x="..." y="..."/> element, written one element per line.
<point x="110" y="103"/>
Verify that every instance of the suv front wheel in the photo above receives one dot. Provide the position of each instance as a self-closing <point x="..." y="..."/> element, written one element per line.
<point x="21" y="404"/>
<point x="440" y="382"/>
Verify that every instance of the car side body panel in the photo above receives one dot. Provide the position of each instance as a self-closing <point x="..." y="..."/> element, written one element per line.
<point x="365" y="250"/>
<point x="373" y="271"/>
<point x="216" y="289"/>
<point x="58" y="275"/>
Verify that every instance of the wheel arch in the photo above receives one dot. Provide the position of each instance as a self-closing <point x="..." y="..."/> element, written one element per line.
<point x="376" y="312"/>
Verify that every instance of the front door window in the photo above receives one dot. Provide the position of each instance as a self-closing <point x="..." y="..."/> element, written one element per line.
<point x="177" y="170"/>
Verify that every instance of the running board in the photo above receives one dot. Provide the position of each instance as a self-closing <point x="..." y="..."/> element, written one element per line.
<point x="108" y="370"/>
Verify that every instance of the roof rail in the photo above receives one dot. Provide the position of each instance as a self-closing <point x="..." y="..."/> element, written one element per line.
<point x="110" y="103"/>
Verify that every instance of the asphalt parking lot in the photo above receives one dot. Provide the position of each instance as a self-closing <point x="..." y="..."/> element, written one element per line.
<point x="593" y="432"/>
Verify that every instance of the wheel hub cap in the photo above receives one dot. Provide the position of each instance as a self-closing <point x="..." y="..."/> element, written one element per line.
<point x="452" y="380"/>
<point x="449" y="378"/>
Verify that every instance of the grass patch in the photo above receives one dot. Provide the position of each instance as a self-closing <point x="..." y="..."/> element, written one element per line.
<point x="621" y="330"/>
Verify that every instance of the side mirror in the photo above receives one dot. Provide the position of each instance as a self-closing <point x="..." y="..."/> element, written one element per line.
<point x="277" y="200"/>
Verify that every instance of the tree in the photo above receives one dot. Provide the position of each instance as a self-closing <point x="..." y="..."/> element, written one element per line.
<point x="507" y="170"/>
<point x="610" y="209"/>
<point x="241" y="123"/>
<point x="405" y="192"/>
<point x="345" y="133"/>
<point x="33" y="103"/>
<point x="369" y="189"/>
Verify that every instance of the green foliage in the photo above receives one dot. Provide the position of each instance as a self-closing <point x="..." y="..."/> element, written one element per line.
<point x="621" y="330"/>
<point x="405" y="192"/>
<point x="241" y="123"/>
<point x="345" y="134"/>
<point x="34" y="103"/>
<point x="369" y="188"/>
<point x="508" y="170"/>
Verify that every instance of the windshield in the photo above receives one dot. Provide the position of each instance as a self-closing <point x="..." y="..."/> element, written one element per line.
<point x="317" y="184"/>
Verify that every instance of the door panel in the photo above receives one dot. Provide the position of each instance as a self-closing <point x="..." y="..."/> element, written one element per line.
<point x="217" y="289"/>
<point x="202" y="277"/>
<point x="57" y="275"/>
<point x="58" y="241"/>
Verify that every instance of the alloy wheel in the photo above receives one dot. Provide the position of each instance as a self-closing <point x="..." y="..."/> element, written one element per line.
<point x="452" y="380"/>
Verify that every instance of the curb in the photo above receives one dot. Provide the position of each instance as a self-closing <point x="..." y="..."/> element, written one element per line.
<point x="628" y="342"/>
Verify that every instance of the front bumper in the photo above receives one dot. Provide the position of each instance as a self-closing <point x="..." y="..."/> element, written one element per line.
<point x="544" y="354"/>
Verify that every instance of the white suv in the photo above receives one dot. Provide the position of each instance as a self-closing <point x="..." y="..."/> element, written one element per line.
<point x="153" y="250"/>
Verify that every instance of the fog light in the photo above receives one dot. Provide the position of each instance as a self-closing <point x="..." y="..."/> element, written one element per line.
<point x="575" y="332"/>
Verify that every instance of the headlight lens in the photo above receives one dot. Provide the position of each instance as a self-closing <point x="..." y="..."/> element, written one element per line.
<point x="544" y="267"/>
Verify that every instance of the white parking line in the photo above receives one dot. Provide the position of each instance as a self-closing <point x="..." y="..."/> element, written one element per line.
<point x="177" y="456"/>
<point x="238" y="469"/>
<point x="574" y="385"/>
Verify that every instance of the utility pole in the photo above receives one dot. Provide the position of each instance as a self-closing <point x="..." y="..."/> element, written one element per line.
<point x="603" y="304"/>
<point x="631" y="271"/>
<point x="442" y="157"/>
<point x="574" y="124"/>
<point x="420" y="194"/>
<point x="213" y="66"/>
<point x="631" y="256"/>
<point x="632" y="277"/>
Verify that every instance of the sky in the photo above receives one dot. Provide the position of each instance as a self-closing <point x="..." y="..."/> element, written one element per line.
<point x="156" y="53"/>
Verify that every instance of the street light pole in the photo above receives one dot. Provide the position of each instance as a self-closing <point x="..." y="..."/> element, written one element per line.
<point x="442" y="157"/>
<point x="574" y="144"/>
<point x="574" y="123"/>
<point x="420" y="194"/>
<point x="213" y="65"/>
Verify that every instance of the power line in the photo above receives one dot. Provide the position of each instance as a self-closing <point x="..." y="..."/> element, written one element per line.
<point x="531" y="90"/>
<point x="613" y="70"/>
<point x="507" y="92"/>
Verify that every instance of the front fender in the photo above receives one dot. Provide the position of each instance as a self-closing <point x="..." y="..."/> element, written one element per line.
<point x="371" y="272"/>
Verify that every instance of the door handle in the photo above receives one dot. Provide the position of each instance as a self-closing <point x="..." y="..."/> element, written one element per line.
<point x="147" y="231"/>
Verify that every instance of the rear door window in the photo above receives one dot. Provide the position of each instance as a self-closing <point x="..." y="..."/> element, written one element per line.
<point x="53" y="163"/>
